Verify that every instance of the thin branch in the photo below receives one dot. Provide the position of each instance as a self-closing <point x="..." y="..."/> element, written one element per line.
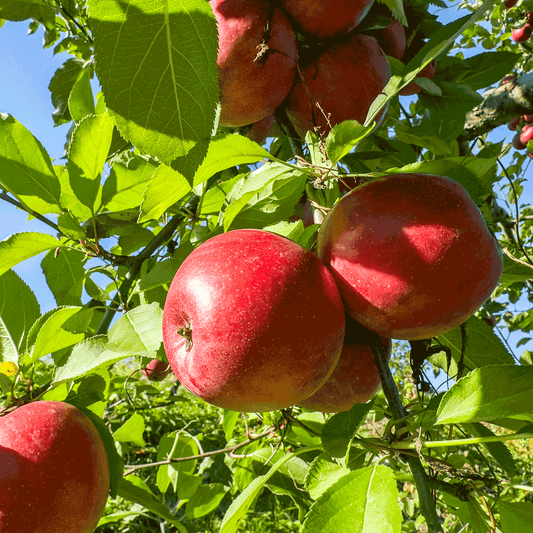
<point x="229" y="449"/>
<point x="38" y="216"/>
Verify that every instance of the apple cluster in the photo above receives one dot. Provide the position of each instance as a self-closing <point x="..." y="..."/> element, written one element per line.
<point x="54" y="471"/>
<point x="523" y="125"/>
<point x="255" y="322"/>
<point x="523" y="34"/>
<point x="335" y="75"/>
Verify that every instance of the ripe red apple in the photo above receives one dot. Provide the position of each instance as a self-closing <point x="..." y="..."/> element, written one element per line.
<point x="517" y="143"/>
<point x="521" y="35"/>
<point x="340" y="84"/>
<point x="156" y="370"/>
<point x="253" y="322"/>
<point x="510" y="3"/>
<point x="527" y="134"/>
<point x="355" y="378"/>
<point x="529" y="17"/>
<point x="411" y="254"/>
<point x="53" y="469"/>
<point x="512" y="125"/>
<point x="260" y="130"/>
<point x="427" y="72"/>
<point x="256" y="59"/>
<point x="326" y="18"/>
<point x="528" y="119"/>
<point x="391" y="39"/>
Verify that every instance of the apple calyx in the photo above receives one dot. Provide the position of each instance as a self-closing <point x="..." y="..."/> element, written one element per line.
<point x="186" y="332"/>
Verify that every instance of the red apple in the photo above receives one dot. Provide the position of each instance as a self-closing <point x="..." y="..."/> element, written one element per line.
<point x="529" y="17"/>
<point x="260" y="130"/>
<point x="510" y="3"/>
<point x="391" y="39"/>
<point x="521" y="35"/>
<point x="156" y="370"/>
<point x="512" y="125"/>
<point x="340" y="84"/>
<point x="411" y="254"/>
<point x="256" y="59"/>
<point x="253" y="322"/>
<point x="427" y="72"/>
<point x="527" y="134"/>
<point x="528" y="119"/>
<point x="326" y="18"/>
<point x="355" y="378"/>
<point x="517" y="143"/>
<point x="53" y="469"/>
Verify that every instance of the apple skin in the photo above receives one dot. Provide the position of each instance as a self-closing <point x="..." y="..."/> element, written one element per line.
<point x="156" y="370"/>
<point x="355" y="378"/>
<point x="250" y="87"/>
<point x="411" y="254"/>
<point x="510" y="3"/>
<point x="528" y="119"/>
<point x="526" y="134"/>
<point x="54" y="470"/>
<point x="413" y="88"/>
<point x="326" y="18"/>
<point x="517" y="143"/>
<point x="344" y="80"/>
<point x="521" y="35"/>
<point x="391" y="39"/>
<point x="513" y="124"/>
<point x="266" y="321"/>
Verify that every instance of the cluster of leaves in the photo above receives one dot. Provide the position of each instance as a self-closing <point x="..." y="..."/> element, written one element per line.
<point x="148" y="177"/>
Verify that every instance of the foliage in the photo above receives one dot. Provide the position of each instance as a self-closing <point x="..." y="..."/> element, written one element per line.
<point x="147" y="178"/>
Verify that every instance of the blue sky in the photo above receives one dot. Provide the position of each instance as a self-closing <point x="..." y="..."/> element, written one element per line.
<point x="26" y="70"/>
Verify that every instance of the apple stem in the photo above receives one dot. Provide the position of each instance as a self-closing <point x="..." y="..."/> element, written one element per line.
<point x="422" y="482"/>
<point x="187" y="333"/>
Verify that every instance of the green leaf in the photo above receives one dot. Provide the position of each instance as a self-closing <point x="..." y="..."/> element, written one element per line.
<point x="498" y="450"/>
<point x="25" y="167"/>
<point x="241" y="504"/>
<point x="88" y="152"/>
<point x="341" y="427"/>
<point x="138" y="332"/>
<point x="164" y="102"/>
<point x="124" y="187"/>
<point x="515" y="271"/>
<point x="323" y="472"/>
<point x="70" y="226"/>
<point x="15" y="320"/>
<point x="363" y="501"/>
<point x="21" y="246"/>
<point x="488" y="68"/>
<point x="489" y="393"/>
<point x="131" y="431"/>
<point x="266" y="196"/>
<point x="229" y="420"/>
<point x="291" y="230"/>
<point x="516" y="517"/>
<point x="61" y="86"/>
<point x="166" y="187"/>
<point x="64" y="273"/>
<point x="86" y="356"/>
<point x="175" y="445"/>
<point x="17" y="10"/>
<point x="343" y="137"/>
<point x="205" y="499"/>
<point x="136" y="494"/>
<point x="81" y="99"/>
<point x="226" y="151"/>
<point x="56" y="332"/>
<point x="483" y="347"/>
